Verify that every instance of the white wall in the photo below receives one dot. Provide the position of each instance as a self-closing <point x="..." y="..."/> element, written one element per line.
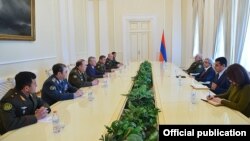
<point x="36" y="55"/>
<point x="155" y="9"/>
<point x="69" y="30"/>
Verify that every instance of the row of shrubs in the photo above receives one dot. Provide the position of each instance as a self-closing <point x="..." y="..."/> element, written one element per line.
<point x="138" y="121"/>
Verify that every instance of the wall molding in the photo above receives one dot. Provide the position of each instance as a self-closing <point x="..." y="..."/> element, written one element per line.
<point x="125" y="29"/>
<point x="27" y="60"/>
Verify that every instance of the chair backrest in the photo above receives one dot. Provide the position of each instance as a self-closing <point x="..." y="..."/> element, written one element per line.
<point x="70" y="67"/>
<point x="49" y="72"/>
<point x="6" y="85"/>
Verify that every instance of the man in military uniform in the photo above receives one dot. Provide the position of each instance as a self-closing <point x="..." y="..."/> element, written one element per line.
<point x="114" y="60"/>
<point x="197" y="66"/>
<point x="100" y="66"/>
<point x="78" y="78"/>
<point x="20" y="106"/>
<point x="57" y="88"/>
<point x="109" y="63"/>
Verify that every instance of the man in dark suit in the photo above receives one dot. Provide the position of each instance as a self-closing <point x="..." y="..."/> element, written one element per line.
<point x="220" y="83"/>
<point x="20" y="106"/>
<point x="208" y="74"/>
<point x="91" y="71"/>
<point x="78" y="78"/>
<point x="57" y="88"/>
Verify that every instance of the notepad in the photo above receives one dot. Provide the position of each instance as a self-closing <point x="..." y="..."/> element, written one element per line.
<point x="199" y="86"/>
<point x="210" y="102"/>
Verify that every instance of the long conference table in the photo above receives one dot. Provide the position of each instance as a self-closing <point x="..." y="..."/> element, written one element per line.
<point x="174" y="100"/>
<point x="84" y="119"/>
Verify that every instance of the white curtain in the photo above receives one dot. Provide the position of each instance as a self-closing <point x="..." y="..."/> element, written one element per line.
<point x="227" y="29"/>
<point x="241" y="29"/>
<point x="222" y="13"/>
<point x="218" y="12"/>
<point x="198" y="12"/>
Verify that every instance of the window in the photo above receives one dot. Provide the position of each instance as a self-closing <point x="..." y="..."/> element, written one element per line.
<point x="245" y="56"/>
<point x="220" y="42"/>
<point x="196" y="37"/>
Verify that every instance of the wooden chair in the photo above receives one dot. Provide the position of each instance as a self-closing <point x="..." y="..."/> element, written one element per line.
<point x="6" y="85"/>
<point x="49" y="72"/>
<point x="70" y="67"/>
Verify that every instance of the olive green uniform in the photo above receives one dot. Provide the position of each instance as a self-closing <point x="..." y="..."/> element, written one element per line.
<point x="237" y="98"/>
<point x="78" y="79"/>
<point x="115" y="62"/>
<point x="196" y="67"/>
<point x="110" y="64"/>
<point x="101" y="68"/>
<point x="18" y="110"/>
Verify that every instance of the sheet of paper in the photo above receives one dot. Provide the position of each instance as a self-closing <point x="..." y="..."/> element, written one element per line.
<point x="194" y="74"/>
<point x="207" y="82"/>
<point x="48" y="118"/>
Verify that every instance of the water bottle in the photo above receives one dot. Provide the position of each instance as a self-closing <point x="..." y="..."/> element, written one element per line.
<point x="193" y="97"/>
<point x="56" y="122"/>
<point x="105" y="83"/>
<point x="90" y="95"/>
<point x="179" y="78"/>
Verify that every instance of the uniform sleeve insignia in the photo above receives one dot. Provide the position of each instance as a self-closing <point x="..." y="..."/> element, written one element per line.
<point x="7" y="106"/>
<point x="52" y="88"/>
<point x="75" y="76"/>
<point x="199" y="66"/>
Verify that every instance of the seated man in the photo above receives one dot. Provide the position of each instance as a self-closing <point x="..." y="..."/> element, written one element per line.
<point x="20" y="106"/>
<point x="78" y="78"/>
<point x="220" y="84"/>
<point x="57" y="88"/>
<point x="114" y="59"/>
<point x="91" y="71"/>
<point x="110" y="64"/>
<point x="196" y="66"/>
<point x="100" y="66"/>
<point x="208" y="74"/>
<point x="237" y="97"/>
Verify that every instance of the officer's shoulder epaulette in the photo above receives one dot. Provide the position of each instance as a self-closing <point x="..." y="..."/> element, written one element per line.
<point x="10" y="94"/>
<point x="53" y="79"/>
<point x="74" y="70"/>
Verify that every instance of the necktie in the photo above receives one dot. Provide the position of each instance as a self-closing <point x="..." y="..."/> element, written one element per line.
<point x="202" y="74"/>
<point x="217" y="76"/>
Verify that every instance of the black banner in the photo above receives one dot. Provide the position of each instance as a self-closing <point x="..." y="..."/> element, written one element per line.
<point x="201" y="132"/>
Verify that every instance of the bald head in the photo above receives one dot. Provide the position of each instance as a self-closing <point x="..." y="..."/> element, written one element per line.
<point x="208" y="62"/>
<point x="198" y="57"/>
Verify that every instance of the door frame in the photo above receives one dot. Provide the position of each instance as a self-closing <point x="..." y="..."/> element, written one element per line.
<point x="125" y="24"/>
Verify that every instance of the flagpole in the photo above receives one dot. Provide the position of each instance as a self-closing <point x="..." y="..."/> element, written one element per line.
<point x="164" y="15"/>
<point x="164" y="19"/>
